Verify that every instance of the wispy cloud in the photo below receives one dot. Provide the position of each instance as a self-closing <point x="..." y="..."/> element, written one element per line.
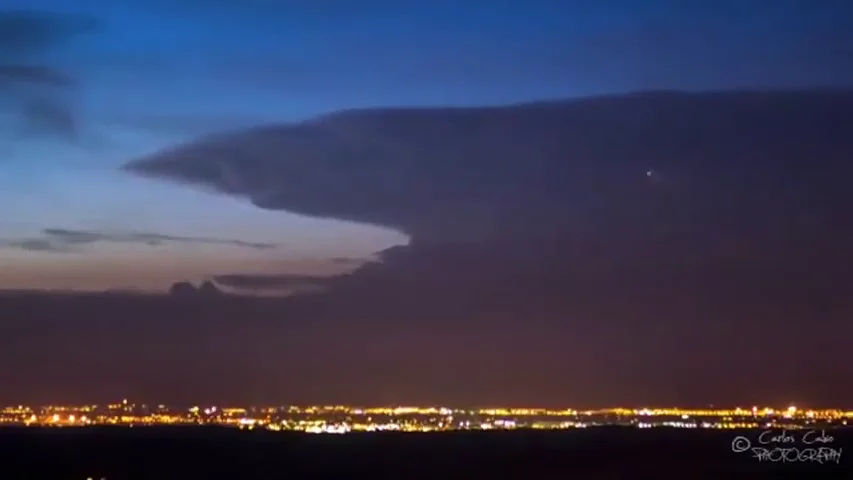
<point x="34" y="74"/>
<point x="34" y="244"/>
<point x="32" y="31"/>
<point x="34" y="92"/>
<point x="64" y="240"/>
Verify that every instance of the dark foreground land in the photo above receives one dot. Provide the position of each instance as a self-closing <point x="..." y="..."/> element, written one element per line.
<point x="202" y="453"/>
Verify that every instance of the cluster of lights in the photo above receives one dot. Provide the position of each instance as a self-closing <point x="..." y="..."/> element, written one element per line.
<point x="343" y="419"/>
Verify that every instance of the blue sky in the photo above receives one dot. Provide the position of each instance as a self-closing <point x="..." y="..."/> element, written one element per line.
<point x="161" y="72"/>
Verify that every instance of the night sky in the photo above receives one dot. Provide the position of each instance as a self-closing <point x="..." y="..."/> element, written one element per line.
<point x="592" y="249"/>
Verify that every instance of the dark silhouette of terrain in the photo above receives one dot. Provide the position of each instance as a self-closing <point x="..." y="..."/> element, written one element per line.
<point x="210" y="454"/>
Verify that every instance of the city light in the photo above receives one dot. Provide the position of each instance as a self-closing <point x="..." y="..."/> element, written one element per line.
<point x="345" y="419"/>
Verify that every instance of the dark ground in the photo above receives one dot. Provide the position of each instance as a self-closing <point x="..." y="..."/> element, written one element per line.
<point x="201" y="453"/>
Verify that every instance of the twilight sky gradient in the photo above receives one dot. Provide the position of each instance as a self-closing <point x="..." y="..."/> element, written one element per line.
<point x="159" y="72"/>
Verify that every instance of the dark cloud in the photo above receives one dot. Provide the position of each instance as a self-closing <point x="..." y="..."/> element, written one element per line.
<point x="244" y="281"/>
<point x="277" y="285"/>
<point x="730" y="285"/>
<point x="441" y="342"/>
<point x="34" y="74"/>
<point x="346" y="260"/>
<point x="37" y="93"/>
<point x="63" y="240"/>
<point x="45" y="115"/>
<point x="206" y="290"/>
<point x="33" y="31"/>
<point x="543" y="218"/>
<point x="271" y="285"/>
<point x="575" y="168"/>
<point x="35" y="244"/>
